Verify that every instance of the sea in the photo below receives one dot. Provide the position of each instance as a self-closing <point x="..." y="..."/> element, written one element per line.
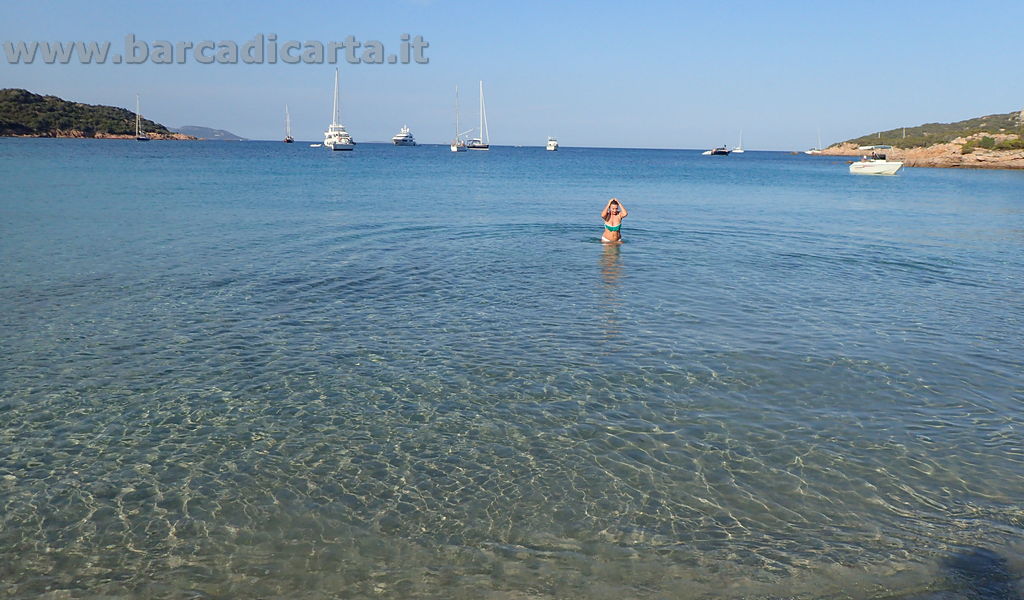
<point x="266" y="370"/>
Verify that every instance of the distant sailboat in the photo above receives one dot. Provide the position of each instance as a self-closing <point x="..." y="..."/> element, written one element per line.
<point x="484" y="141"/>
<point x="139" y="134"/>
<point x="336" y="137"/>
<point x="739" y="149"/>
<point x="816" y="149"/>
<point x="458" y="145"/>
<point x="288" y="139"/>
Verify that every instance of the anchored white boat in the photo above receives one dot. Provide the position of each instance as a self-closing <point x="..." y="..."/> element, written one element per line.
<point x="288" y="139"/>
<point x="458" y="144"/>
<point x="484" y="141"/>
<point x="875" y="163"/>
<point x="816" y="149"/>
<point x="552" y="144"/>
<point x="337" y="137"/>
<point x="139" y="134"/>
<point x="404" y="137"/>
<point x="739" y="149"/>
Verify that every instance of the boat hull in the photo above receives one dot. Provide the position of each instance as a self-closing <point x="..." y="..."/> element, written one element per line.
<point x="403" y="142"/>
<point x="340" y="147"/>
<point x="875" y="167"/>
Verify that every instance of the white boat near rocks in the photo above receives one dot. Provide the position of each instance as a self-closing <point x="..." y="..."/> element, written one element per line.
<point x="875" y="163"/>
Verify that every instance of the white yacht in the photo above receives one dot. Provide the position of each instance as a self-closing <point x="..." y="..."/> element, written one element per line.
<point x="875" y="163"/>
<point x="336" y="137"/>
<point x="484" y="141"/>
<point x="719" y="151"/>
<point x="404" y="137"/>
<point x="552" y="144"/>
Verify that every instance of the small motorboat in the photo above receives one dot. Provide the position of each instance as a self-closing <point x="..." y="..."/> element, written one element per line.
<point x="875" y="163"/>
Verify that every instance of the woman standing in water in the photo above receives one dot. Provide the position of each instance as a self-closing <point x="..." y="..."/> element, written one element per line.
<point x="612" y="215"/>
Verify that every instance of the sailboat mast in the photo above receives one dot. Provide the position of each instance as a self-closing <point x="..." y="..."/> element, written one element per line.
<point x="335" y="117"/>
<point x="483" y="136"/>
<point x="456" y="112"/>
<point x="287" y="122"/>
<point x="483" y="117"/>
<point x="137" y="116"/>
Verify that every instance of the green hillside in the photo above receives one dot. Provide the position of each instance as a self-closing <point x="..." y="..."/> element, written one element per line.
<point x="940" y="133"/>
<point x="25" y="113"/>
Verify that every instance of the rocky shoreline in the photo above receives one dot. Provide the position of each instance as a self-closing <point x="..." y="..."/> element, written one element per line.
<point x="99" y="135"/>
<point x="942" y="156"/>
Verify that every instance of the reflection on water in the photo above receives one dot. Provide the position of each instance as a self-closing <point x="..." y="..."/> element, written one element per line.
<point x="611" y="266"/>
<point x="611" y="294"/>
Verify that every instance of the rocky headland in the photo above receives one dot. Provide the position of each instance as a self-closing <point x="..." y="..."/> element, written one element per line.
<point x="24" y="114"/>
<point x="988" y="142"/>
<point x="948" y="155"/>
<point x="100" y="135"/>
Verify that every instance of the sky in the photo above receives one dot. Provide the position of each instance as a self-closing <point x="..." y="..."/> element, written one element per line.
<point x="656" y="74"/>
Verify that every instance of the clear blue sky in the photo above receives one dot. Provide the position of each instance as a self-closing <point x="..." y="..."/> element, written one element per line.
<point x="601" y="73"/>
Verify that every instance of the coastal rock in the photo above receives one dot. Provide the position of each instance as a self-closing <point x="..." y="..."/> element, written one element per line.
<point x="76" y="133"/>
<point x="942" y="155"/>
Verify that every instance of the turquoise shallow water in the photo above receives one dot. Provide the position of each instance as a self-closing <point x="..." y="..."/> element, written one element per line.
<point x="267" y="370"/>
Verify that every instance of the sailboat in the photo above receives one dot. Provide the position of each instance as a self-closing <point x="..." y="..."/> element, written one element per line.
<point x="458" y="145"/>
<point x="816" y="149"/>
<point x="484" y="141"/>
<point x="139" y="134"/>
<point x="739" y="149"/>
<point x="288" y="139"/>
<point x="336" y="137"/>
